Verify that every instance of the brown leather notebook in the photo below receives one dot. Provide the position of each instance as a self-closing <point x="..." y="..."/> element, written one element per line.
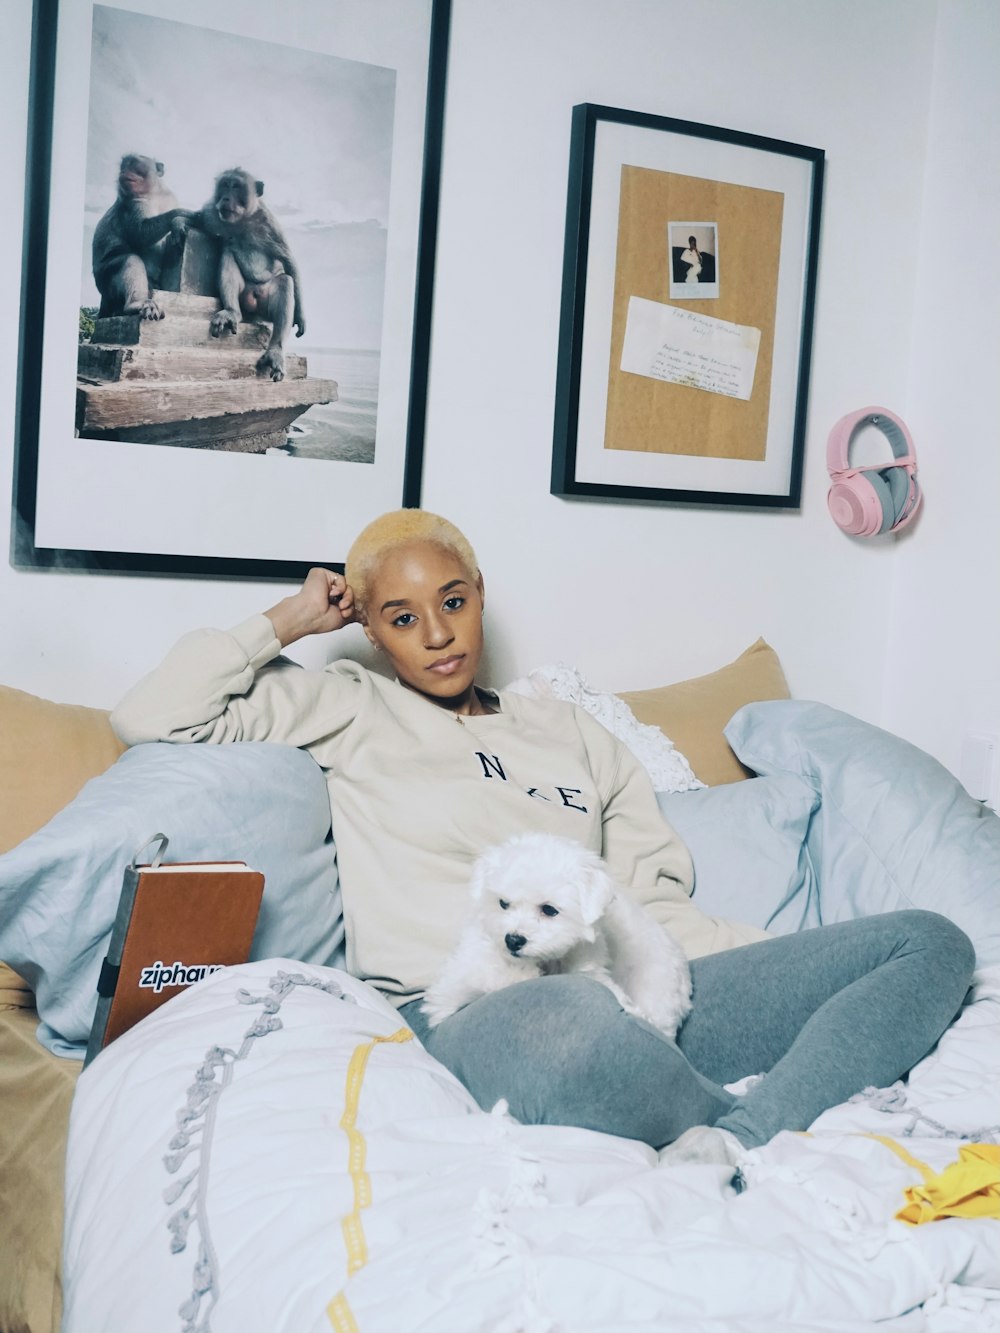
<point x="176" y="924"/>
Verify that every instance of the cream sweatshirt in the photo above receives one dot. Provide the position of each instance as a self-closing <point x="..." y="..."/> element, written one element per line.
<point x="417" y="793"/>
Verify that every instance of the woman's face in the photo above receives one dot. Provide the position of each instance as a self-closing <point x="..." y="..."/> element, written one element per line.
<point x="425" y="611"/>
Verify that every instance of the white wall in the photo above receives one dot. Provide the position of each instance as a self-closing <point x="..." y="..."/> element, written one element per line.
<point x="639" y="595"/>
<point x="635" y="595"/>
<point x="943" y="664"/>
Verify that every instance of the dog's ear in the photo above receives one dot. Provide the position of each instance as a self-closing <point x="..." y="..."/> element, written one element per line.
<point x="482" y="873"/>
<point x="596" y="892"/>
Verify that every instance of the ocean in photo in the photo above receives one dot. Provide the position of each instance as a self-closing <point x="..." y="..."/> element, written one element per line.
<point x="343" y="430"/>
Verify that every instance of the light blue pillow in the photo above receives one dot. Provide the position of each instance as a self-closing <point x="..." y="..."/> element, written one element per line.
<point x="252" y="801"/>
<point x="748" y="844"/>
<point x="894" y="828"/>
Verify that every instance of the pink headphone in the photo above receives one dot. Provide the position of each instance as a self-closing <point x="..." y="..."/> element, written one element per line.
<point x="879" y="497"/>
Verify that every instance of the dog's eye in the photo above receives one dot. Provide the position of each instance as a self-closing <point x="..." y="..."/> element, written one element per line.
<point x="549" y="910"/>
<point x="503" y="904"/>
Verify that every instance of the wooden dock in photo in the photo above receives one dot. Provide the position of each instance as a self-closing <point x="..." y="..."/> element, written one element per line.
<point x="169" y="382"/>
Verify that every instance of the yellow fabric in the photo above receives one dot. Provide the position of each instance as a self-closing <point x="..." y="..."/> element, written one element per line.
<point x="15" y="993"/>
<point x="49" y="751"/>
<point x="969" y="1187"/>
<point x="694" y="712"/>
<point x="36" y="1089"/>
<point x="339" y="1311"/>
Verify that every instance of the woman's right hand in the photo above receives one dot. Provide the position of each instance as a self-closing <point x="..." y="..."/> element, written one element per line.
<point x="325" y="602"/>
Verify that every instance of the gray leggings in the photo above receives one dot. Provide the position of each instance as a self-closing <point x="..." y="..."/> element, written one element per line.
<point x="823" y="1013"/>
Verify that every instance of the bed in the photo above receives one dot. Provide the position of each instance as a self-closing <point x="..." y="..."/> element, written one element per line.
<point x="273" y="1149"/>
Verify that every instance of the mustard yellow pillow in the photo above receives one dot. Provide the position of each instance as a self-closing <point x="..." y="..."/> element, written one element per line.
<point x="693" y="712"/>
<point x="49" y="751"/>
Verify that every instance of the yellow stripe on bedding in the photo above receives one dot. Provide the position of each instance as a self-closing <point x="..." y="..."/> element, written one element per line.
<point x="339" y="1314"/>
<point x="338" y="1311"/>
<point x="903" y="1154"/>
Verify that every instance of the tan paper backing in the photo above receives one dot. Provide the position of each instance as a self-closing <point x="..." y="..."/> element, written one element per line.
<point x="651" y="416"/>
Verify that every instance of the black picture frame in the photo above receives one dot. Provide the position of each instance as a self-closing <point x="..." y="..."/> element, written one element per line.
<point x="33" y="549"/>
<point x="633" y="177"/>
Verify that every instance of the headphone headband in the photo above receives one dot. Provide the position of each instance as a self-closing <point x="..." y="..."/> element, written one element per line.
<point x="895" y="430"/>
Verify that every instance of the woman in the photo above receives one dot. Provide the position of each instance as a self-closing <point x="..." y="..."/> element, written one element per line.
<point x="427" y="769"/>
<point x="692" y="258"/>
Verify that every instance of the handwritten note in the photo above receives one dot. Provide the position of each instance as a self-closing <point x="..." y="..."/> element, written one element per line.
<point x="683" y="347"/>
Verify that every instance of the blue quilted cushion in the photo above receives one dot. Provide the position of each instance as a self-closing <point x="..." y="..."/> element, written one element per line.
<point x="748" y="844"/>
<point x="260" y="803"/>
<point x="894" y="828"/>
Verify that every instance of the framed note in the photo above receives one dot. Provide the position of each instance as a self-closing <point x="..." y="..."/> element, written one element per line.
<point x="688" y="291"/>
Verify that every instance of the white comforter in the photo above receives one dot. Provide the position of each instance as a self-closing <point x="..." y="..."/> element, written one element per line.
<point x="317" y="1170"/>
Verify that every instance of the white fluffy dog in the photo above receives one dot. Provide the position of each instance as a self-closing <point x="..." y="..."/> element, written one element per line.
<point x="544" y="905"/>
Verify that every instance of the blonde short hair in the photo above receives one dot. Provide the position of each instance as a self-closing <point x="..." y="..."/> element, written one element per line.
<point x="398" y="528"/>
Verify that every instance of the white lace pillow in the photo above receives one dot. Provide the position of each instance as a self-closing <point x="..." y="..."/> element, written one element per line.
<point x="666" y="766"/>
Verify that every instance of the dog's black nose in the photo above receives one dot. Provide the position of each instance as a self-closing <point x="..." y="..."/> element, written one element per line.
<point x="515" y="943"/>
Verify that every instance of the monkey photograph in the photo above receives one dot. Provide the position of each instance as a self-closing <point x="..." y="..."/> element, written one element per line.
<point x="215" y="274"/>
<point x="230" y="224"/>
<point x="138" y="240"/>
<point x="257" y="275"/>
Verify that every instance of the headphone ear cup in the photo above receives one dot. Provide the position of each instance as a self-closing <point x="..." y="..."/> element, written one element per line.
<point x="883" y="497"/>
<point x="911" y="503"/>
<point x="856" y="505"/>
<point x="898" y="481"/>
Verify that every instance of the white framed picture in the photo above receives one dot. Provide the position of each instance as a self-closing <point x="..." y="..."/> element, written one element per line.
<point x="229" y="253"/>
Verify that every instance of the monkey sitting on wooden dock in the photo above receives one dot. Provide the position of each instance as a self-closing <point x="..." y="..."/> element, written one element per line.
<point x="137" y="240"/>
<point x="258" y="277"/>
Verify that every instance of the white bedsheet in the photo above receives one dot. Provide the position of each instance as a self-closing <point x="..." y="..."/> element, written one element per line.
<point x="329" y="1178"/>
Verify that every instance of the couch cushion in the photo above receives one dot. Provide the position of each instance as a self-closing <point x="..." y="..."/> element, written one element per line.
<point x="748" y="844"/>
<point x="36" y="1090"/>
<point x="894" y="828"/>
<point x="694" y="712"/>
<point x="256" y="802"/>
<point x="49" y="751"/>
<point x="15" y="993"/>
